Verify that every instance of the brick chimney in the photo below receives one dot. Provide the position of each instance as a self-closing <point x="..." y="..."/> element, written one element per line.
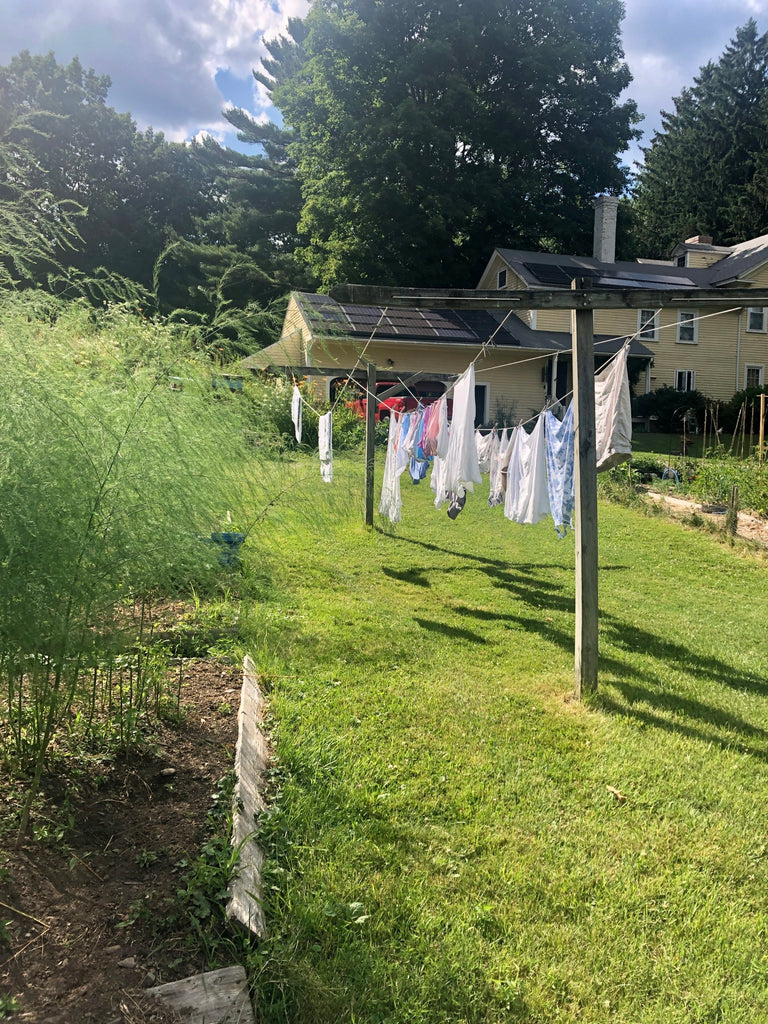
<point x="699" y="240"/>
<point x="604" y="245"/>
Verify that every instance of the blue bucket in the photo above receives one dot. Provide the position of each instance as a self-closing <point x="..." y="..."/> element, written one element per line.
<point x="230" y="544"/>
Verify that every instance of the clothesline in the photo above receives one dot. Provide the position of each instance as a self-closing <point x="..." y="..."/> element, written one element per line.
<point x="538" y="467"/>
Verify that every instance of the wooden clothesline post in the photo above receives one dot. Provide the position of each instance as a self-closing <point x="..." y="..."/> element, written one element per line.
<point x="370" y="442"/>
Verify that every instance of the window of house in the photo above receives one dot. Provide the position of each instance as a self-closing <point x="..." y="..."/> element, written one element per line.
<point x="754" y="376"/>
<point x="501" y="279"/>
<point x="756" y="318"/>
<point x="682" y="260"/>
<point x="687" y="326"/>
<point x="648" y="324"/>
<point x="685" y="380"/>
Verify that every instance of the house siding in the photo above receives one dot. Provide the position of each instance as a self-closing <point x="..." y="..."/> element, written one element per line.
<point x="754" y="344"/>
<point x="712" y="358"/>
<point x="704" y="259"/>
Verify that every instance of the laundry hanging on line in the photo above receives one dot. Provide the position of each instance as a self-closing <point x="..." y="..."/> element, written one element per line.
<point x="325" y="446"/>
<point x="560" y="468"/>
<point x="498" y="461"/>
<point x="296" y="412"/>
<point x="613" y="413"/>
<point x="485" y="445"/>
<point x="527" y="499"/>
<point x="459" y="470"/>
<point x="396" y="460"/>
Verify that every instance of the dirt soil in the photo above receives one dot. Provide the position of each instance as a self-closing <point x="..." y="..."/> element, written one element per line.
<point x="64" y="901"/>
<point x="749" y="527"/>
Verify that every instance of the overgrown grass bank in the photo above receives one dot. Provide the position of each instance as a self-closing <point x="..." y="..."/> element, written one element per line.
<point x="127" y="479"/>
<point x="445" y="845"/>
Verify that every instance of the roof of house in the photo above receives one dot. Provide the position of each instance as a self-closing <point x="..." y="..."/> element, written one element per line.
<point x="743" y="257"/>
<point x="328" y="318"/>
<point x="554" y="270"/>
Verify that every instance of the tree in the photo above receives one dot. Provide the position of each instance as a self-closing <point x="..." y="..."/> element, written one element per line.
<point x="36" y="230"/>
<point x="231" y="276"/>
<point x="425" y="133"/>
<point x="130" y="186"/>
<point x="706" y="171"/>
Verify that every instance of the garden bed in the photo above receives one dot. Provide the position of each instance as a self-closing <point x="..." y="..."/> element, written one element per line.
<point x="114" y="840"/>
<point x="749" y="527"/>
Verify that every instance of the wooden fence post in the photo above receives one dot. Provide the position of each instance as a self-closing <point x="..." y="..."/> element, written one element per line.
<point x="370" y="441"/>
<point x="585" y="512"/>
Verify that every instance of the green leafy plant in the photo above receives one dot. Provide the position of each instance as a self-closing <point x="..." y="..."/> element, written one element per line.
<point x="8" y="1005"/>
<point x="110" y="484"/>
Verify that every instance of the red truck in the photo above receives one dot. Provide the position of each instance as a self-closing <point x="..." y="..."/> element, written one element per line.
<point x="425" y="392"/>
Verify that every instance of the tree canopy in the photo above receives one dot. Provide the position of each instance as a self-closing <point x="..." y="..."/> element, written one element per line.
<point x="706" y="171"/>
<point x="426" y="133"/>
<point x="91" y="206"/>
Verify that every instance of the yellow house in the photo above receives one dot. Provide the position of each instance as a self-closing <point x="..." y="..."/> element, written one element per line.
<point x="517" y="368"/>
<point x="715" y="351"/>
<point x="523" y="356"/>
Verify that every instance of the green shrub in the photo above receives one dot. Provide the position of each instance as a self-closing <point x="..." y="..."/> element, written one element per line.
<point x="730" y="411"/>
<point x="669" y="407"/>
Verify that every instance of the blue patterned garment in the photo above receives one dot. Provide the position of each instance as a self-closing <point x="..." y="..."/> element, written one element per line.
<point x="560" y="469"/>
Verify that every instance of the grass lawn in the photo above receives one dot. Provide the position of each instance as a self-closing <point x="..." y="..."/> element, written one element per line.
<point x="671" y="444"/>
<point x="444" y="846"/>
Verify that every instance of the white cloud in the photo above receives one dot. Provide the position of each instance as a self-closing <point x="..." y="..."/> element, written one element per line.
<point x="162" y="55"/>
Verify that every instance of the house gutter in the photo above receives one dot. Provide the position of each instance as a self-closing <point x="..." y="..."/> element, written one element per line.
<point x="738" y="347"/>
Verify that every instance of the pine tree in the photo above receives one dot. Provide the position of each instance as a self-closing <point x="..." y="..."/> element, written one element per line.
<point x="706" y="170"/>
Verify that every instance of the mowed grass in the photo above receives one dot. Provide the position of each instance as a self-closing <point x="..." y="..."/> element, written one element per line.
<point x="444" y="845"/>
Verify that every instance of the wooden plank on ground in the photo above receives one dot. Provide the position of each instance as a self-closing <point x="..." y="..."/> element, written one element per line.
<point x="216" y="997"/>
<point x="251" y="758"/>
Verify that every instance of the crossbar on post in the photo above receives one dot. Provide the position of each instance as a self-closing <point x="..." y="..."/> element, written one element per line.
<point x="585" y="513"/>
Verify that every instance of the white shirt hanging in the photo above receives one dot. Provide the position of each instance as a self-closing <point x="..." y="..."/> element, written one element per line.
<point x="325" y="446"/>
<point x="613" y="413"/>
<point x="397" y="459"/>
<point x="527" y="497"/>
<point x="296" y="412"/>
<point x="461" y="467"/>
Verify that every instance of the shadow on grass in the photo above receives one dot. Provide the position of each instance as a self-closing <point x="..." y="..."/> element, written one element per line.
<point x="415" y="576"/>
<point x="644" y="696"/>
<point x="454" y="632"/>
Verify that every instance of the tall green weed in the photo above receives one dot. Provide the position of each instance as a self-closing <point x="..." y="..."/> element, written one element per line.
<point x="111" y="482"/>
<point x="716" y="478"/>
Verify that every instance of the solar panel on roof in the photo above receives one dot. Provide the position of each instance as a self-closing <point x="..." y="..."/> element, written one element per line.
<point x="559" y="274"/>
<point x="363" y="310"/>
<point x="445" y="332"/>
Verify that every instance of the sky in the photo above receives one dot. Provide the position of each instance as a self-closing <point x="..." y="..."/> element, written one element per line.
<point x="175" y="64"/>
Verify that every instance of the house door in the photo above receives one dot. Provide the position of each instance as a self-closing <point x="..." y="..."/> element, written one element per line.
<point x="481" y="404"/>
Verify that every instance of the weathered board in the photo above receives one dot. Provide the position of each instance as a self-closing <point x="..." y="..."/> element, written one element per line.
<point x="251" y="758"/>
<point x="542" y="298"/>
<point x="216" y="997"/>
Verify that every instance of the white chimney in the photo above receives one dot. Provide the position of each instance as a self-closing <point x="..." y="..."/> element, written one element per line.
<point x="604" y="245"/>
